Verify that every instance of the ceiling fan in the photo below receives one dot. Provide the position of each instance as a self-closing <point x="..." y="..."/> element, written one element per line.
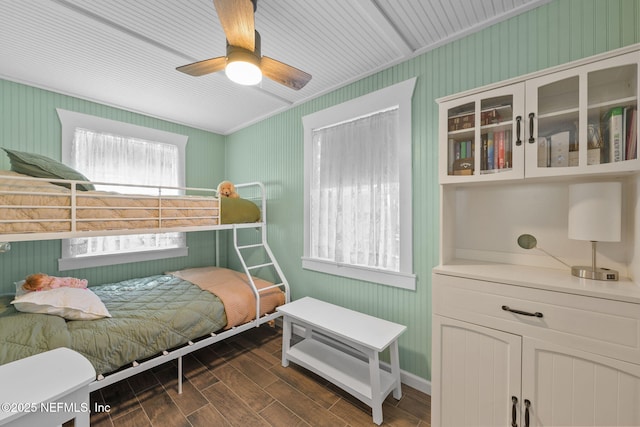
<point x="244" y="63"/>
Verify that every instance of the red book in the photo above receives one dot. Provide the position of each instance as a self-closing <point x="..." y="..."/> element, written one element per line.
<point x="500" y="140"/>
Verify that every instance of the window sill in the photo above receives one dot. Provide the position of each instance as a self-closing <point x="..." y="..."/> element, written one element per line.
<point x="121" y="258"/>
<point x="384" y="277"/>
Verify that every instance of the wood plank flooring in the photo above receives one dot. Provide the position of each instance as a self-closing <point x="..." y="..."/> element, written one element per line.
<point x="241" y="382"/>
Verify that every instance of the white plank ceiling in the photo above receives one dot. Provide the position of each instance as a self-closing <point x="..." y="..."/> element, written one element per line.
<point x="124" y="52"/>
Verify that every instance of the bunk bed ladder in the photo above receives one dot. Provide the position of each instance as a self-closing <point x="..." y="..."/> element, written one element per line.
<point x="271" y="262"/>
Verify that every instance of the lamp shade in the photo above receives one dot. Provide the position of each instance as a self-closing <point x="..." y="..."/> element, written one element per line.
<point x="595" y="211"/>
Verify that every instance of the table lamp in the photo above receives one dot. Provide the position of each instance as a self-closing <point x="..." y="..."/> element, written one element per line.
<point x="595" y="214"/>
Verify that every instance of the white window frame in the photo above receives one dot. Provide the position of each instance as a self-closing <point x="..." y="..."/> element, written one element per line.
<point x="398" y="95"/>
<point x="70" y="120"/>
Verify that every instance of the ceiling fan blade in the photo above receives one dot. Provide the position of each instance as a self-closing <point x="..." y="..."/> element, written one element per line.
<point x="207" y="66"/>
<point x="236" y="17"/>
<point x="283" y="73"/>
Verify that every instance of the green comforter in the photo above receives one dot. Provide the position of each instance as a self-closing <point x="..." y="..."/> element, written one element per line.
<point x="149" y="315"/>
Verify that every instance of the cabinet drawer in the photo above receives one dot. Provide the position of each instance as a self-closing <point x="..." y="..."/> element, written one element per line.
<point x="596" y="325"/>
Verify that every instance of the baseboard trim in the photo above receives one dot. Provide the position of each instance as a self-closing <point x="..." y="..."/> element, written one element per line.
<point x="415" y="381"/>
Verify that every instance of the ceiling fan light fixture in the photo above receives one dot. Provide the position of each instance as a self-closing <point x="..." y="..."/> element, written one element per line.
<point x="244" y="63"/>
<point x="243" y="67"/>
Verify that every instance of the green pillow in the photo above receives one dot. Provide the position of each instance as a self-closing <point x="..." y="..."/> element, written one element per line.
<point x="40" y="166"/>
<point x="237" y="211"/>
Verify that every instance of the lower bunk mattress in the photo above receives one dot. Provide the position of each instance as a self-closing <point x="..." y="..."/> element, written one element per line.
<point x="148" y="316"/>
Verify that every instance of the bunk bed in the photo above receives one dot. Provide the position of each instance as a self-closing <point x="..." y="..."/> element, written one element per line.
<point x="147" y="321"/>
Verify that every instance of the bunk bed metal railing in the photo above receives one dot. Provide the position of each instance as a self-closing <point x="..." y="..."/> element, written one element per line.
<point x="169" y="209"/>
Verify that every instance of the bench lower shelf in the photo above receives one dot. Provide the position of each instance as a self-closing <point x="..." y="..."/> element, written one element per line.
<point x="344" y="370"/>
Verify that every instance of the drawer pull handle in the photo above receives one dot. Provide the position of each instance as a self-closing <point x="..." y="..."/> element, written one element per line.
<point x="527" y="404"/>
<point x="524" y="313"/>
<point x="514" y="402"/>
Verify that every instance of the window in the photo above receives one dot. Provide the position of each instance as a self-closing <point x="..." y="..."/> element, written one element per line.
<point x="109" y="151"/>
<point x="358" y="188"/>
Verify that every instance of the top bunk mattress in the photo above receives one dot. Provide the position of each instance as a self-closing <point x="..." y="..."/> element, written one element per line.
<point x="38" y="206"/>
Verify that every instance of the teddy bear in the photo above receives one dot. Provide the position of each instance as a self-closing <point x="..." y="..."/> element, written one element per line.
<point x="227" y="189"/>
<point x="44" y="282"/>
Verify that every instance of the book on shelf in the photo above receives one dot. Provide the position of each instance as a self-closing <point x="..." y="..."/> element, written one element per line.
<point x="495" y="114"/>
<point x="483" y="152"/>
<point x="452" y="153"/>
<point x="631" y="133"/>
<point x="461" y="121"/>
<point x="496" y="151"/>
<point x="491" y="151"/>
<point x="500" y="138"/>
<point x="508" y="150"/>
<point x="462" y="149"/>
<point x="488" y="116"/>
<point x="613" y="135"/>
<point x="465" y="151"/>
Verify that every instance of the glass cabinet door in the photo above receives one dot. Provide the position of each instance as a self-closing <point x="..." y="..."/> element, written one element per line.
<point x="461" y="128"/>
<point x="583" y="120"/>
<point x="496" y="135"/>
<point x="483" y="135"/>
<point x="612" y="115"/>
<point x="558" y="124"/>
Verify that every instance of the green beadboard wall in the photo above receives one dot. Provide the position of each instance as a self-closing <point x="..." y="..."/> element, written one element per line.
<point x="272" y="150"/>
<point x="29" y="122"/>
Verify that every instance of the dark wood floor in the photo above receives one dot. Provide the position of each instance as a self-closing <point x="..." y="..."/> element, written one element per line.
<point x="241" y="382"/>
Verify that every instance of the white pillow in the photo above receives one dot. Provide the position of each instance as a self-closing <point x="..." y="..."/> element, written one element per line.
<point x="70" y="303"/>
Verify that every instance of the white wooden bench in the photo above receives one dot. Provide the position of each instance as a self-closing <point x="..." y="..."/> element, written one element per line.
<point x="360" y="376"/>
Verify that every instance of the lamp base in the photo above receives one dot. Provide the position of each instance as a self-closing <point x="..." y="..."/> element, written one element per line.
<point x="588" y="272"/>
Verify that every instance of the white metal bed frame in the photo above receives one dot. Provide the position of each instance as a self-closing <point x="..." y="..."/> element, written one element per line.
<point x="214" y="337"/>
<point x="162" y="194"/>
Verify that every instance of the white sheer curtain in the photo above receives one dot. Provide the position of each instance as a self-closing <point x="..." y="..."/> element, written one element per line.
<point x="354" y="192"/>
<point x="117" y="159"/>
<point x="123" y="160"/>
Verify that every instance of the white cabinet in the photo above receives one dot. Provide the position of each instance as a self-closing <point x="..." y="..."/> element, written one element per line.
<point x="576" y="119"/>
<point x="508" y="354"/>
<point x="518" y="340"/>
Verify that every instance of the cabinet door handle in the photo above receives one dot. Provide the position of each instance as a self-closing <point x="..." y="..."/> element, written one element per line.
<point x="514" y="402"/>
<point x="524" y="313"/>
<point x="531" y="138"/>
<point x="518" y="122"/>
<point x="527" y="403"/>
